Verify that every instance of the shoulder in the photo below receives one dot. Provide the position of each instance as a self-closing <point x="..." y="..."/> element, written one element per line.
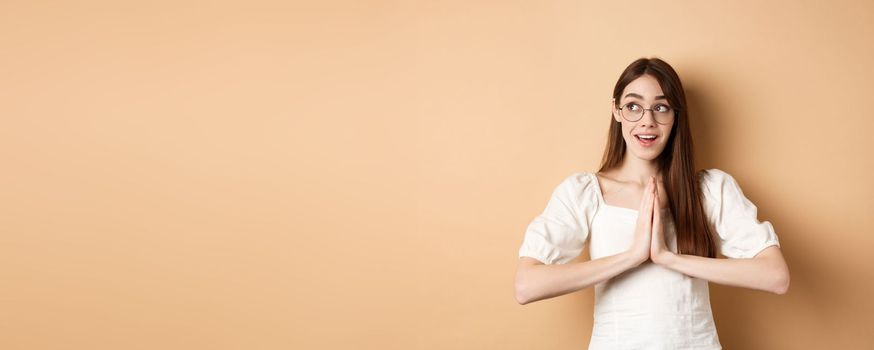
<point x="712" y="175"/>
<point x="714" y="181"/>
<point x="580" y="187"/>
<point x="579" y="182"/>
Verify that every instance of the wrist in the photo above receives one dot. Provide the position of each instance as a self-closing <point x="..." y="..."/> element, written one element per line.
<point x="632" y="260"/>
<point x="665" y="258"/>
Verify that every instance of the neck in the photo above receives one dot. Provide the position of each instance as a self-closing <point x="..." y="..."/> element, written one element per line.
<point x="638" y="170"/>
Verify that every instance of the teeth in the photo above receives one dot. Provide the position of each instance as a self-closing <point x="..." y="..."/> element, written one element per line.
<point x="647" y="137"/>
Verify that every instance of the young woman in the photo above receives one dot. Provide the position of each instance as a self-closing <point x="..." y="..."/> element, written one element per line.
<point x="652" y="225"/>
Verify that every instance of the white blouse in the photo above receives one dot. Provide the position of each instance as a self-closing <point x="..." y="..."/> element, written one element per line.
<point x="649" y="306"/>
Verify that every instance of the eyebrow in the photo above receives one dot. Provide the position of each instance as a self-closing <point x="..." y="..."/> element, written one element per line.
<point x="631" y="94"/>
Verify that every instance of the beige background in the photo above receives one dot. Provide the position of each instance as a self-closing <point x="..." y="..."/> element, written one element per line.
<point x="344" y="175"/>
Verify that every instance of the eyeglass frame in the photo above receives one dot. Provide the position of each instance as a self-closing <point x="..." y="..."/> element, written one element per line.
<point x="674" y="110"/>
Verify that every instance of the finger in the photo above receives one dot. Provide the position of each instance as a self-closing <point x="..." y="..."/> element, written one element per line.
<point x="646" y="199"/>
<point x="649" y="204"/>
<point x="651" y="193"/>
<point x="657" y="209"/>
<point x="655" y="201"/>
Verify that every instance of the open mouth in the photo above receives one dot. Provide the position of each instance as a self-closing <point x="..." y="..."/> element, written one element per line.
<point x="646" y="140"/>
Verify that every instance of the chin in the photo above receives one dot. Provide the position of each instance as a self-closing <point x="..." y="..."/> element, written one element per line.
<point x="646" y="154"/>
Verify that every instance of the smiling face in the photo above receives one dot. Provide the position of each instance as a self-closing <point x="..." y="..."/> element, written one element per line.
<point x="644" y="92"/>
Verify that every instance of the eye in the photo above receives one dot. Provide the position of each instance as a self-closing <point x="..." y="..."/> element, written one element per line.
<point x="631" y="106"/>
<point x="663" y="108"/>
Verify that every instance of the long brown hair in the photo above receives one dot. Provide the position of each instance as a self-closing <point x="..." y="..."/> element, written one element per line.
<point x="682" y="184"/>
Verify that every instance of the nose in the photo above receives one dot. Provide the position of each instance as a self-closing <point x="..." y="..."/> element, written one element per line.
<point x="647" y="120"/>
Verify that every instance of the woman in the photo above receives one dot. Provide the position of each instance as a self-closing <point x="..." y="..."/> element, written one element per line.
<point x="650" y="267"/>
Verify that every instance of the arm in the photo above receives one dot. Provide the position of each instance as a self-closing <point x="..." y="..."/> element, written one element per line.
<point x="767" y="271"/>
<point x="537" y="281"/>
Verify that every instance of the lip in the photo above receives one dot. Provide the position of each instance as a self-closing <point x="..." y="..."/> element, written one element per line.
<point x="645" y="143"/>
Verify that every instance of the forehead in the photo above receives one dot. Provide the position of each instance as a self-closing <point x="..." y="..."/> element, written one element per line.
<point x="645" y="85"/>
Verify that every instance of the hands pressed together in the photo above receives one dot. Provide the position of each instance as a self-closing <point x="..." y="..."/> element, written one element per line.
<point x="649" y="239"/>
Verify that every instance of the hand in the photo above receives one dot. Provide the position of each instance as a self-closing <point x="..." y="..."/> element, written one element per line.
<point x="641" y="247"/>
<point x="659" y="251"/>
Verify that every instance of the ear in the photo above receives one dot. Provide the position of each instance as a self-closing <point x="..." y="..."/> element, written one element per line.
<point x="615" y="111"/>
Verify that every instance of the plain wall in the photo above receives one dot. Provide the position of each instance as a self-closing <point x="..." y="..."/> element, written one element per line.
<point x="359" y="174"/>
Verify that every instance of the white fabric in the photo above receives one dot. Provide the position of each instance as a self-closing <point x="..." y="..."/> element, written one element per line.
<point x="650" y="306"/>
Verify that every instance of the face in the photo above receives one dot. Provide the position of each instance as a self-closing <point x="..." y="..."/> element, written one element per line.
<point x="646" y="93"/>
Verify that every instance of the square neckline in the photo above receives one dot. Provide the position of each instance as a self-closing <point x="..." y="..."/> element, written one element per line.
<point x="604" y="202"/>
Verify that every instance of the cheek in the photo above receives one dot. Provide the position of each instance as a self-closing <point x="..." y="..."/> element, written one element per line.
<point x="626" y="130"/>
<point x="626" y="134"/>
<point x="667" y="131"/>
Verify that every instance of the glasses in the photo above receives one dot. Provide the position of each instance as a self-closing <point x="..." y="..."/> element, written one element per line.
<point x="662" y="113"/>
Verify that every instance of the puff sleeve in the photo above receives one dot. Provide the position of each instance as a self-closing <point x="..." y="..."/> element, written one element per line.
<point x="734" y="217"/>
<point x="558" y="234"/>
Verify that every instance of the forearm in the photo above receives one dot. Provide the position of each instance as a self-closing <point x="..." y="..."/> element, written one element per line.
<point x="538" y="282"/>
<point x="754" y="273"/>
